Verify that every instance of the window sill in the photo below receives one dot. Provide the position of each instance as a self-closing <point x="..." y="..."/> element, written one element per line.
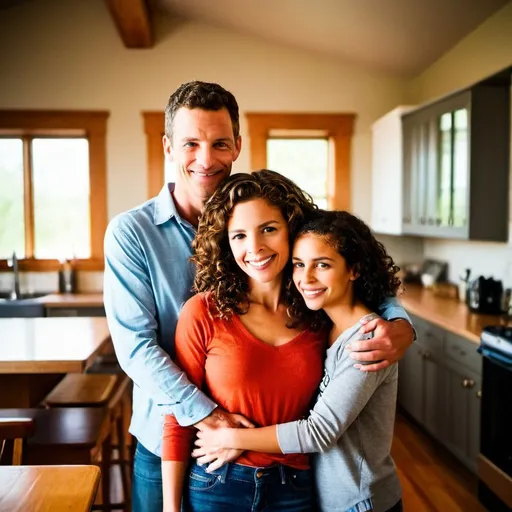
<point x="35" y="265"/>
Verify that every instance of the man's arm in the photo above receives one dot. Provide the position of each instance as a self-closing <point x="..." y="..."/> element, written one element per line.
<point x="393" y="334"/>
<point x="131" y="314"/>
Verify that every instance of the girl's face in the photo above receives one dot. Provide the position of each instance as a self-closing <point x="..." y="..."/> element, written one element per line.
<point x="321" y="274"/>
<point x="258" y="238"/>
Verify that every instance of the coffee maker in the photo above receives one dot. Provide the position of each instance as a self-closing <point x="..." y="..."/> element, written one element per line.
<point x="485" y="296"/>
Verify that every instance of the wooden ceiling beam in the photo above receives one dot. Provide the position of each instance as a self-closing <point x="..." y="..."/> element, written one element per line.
<point x="133" y="22"/>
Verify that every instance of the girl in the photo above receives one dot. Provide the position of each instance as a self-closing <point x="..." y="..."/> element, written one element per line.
<point x="342" y="274"/>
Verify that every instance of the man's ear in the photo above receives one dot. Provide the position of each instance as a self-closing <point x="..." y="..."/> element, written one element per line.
<point x="167" y="145"/>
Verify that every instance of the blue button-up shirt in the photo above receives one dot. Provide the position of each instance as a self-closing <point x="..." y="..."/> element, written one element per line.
<point x="148" y="277"/>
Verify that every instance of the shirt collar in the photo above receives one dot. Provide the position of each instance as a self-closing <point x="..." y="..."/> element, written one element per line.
<point x="164" y="205"/>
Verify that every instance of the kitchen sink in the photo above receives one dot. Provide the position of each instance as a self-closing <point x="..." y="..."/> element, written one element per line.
<point x="26" y="306"/>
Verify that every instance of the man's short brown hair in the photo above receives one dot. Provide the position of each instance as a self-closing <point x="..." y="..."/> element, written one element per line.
<point x="204" y="95"/>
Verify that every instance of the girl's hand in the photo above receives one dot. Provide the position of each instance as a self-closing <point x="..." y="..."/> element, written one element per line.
<point x="215" y="457"/>
<point x="212" y="448"/>
<point x="214" y="438"/>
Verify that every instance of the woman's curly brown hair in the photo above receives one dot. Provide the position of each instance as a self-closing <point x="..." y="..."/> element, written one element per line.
<point x="216" y="269"/>
<point x="363" y="253"/>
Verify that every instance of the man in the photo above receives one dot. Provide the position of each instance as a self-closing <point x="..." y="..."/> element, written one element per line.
<point x="148" y="276"/>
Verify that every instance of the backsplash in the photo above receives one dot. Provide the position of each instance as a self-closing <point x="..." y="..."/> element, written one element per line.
<point x="403" y="249"/>
<point x="483" y="258"/>
<point x="30" y="282"/>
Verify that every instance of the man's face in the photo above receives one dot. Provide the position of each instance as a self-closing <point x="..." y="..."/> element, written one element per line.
<point x="203" y="148"/>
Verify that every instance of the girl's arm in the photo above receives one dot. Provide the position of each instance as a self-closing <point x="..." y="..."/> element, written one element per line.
<point x="342" y="400"/>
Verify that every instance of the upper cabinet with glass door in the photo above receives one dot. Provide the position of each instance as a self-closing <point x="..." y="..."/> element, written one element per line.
<point x="456" y="165"/>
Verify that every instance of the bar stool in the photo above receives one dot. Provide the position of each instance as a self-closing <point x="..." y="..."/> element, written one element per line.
<point x="64" y="436"/>
<point x="107" y="391"/>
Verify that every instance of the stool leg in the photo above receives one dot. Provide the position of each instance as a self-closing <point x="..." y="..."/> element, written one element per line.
<point x="106" y="456"/>
<point x="123" y="463"/>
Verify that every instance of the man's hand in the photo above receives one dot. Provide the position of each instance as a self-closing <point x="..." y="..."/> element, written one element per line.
<point x="388" y="345"/>
<point x="220" y="418"/>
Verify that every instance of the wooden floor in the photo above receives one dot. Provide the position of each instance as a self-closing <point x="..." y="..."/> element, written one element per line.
<point x="432" y="479"/>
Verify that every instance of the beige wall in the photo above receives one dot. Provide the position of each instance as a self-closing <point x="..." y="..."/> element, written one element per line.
<point x="485" y="51"/>
<point x="66" y="54"/>
<point x="75" y="59"/>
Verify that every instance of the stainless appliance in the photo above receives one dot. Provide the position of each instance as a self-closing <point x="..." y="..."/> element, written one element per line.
<point x="495" y="459"/>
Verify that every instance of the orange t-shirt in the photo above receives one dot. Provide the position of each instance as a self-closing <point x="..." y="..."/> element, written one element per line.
<point x="244" y="375"/>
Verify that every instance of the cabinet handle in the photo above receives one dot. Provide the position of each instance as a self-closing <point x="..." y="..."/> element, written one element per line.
<point x="467" y="383"/>
<point x="426" y="355"/>
<point x="422" y="220"/>
<point x="438" y="222"/>
<point x="479" y="394"/>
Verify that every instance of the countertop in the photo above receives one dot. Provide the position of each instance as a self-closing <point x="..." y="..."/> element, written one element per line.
<point x="450" y="314"/>
<point x="50" y="345"/>
<point x="72" y="300"/>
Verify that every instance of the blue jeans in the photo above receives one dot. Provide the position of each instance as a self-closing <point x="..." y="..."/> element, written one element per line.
<point x="147" y="481"/>
<point x="247" y="489"/>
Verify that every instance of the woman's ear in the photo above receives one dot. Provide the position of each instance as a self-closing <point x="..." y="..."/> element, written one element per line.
<point x="354" y="273"/>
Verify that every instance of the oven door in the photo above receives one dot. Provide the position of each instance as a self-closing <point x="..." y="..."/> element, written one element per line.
<point x="495" y="460"/>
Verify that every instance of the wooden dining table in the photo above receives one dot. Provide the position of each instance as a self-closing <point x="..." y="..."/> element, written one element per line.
<point x="35" y="353"/>
<point x="48" y="488"/>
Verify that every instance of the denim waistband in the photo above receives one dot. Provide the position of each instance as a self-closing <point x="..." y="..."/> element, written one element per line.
<point x="235" y="471"/>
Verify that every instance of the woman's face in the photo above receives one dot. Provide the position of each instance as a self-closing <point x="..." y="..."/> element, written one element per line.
<point x="321" y="274"/>
<point x="258" y="237"/>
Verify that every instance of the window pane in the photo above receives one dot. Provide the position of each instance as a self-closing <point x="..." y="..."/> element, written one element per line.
<point x="12" y="222"/>
<point x="60" y="170"/>
<point x="305" y="161"/>
<point x="444" y="169"/>
<point x="460" y="168"/>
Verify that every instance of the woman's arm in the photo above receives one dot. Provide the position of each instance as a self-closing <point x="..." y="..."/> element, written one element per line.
<point x="193" y="333"/>
<point x="173" y="473"/>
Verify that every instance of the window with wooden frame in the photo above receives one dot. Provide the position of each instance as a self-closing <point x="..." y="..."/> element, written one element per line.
<point x="154" y="128"/>
<point x="53" y="202"/>
<point x="331" y="133"/>
<point x="271" y="135"/>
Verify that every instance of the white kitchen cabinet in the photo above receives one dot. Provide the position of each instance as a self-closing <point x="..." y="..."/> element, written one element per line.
<point x="387" y="163"/>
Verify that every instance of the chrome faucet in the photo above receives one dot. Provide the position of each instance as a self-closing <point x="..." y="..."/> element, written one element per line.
<point x="13" y="262"/>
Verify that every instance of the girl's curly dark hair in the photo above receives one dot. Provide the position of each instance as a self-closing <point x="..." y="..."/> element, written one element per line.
<point x="216" y="269"/>
<point x="363" y="253"/>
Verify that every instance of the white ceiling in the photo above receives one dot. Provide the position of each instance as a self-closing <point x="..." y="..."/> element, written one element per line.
<point x="399" y="37"/>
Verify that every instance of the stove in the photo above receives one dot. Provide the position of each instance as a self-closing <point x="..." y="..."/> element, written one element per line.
<point x="495" y="459"/>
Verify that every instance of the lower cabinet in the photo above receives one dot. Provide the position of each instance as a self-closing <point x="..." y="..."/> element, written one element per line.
<point x="440" y="387"/>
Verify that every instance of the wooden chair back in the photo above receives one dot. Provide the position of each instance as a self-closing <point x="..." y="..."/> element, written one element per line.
<point x="12" y="433"/>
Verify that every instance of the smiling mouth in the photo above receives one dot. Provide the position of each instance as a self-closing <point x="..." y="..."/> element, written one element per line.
<point x="260" y="263"/>
<point x="205" y="174"/>
<point x="311" y="294"/>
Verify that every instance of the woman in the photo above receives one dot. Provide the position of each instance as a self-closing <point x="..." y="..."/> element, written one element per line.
<point x="342" y="273"/>
<point x="236" y="340"/>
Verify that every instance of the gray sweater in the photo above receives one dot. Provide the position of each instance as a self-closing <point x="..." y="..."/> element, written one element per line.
<point x="352" y="426"/>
